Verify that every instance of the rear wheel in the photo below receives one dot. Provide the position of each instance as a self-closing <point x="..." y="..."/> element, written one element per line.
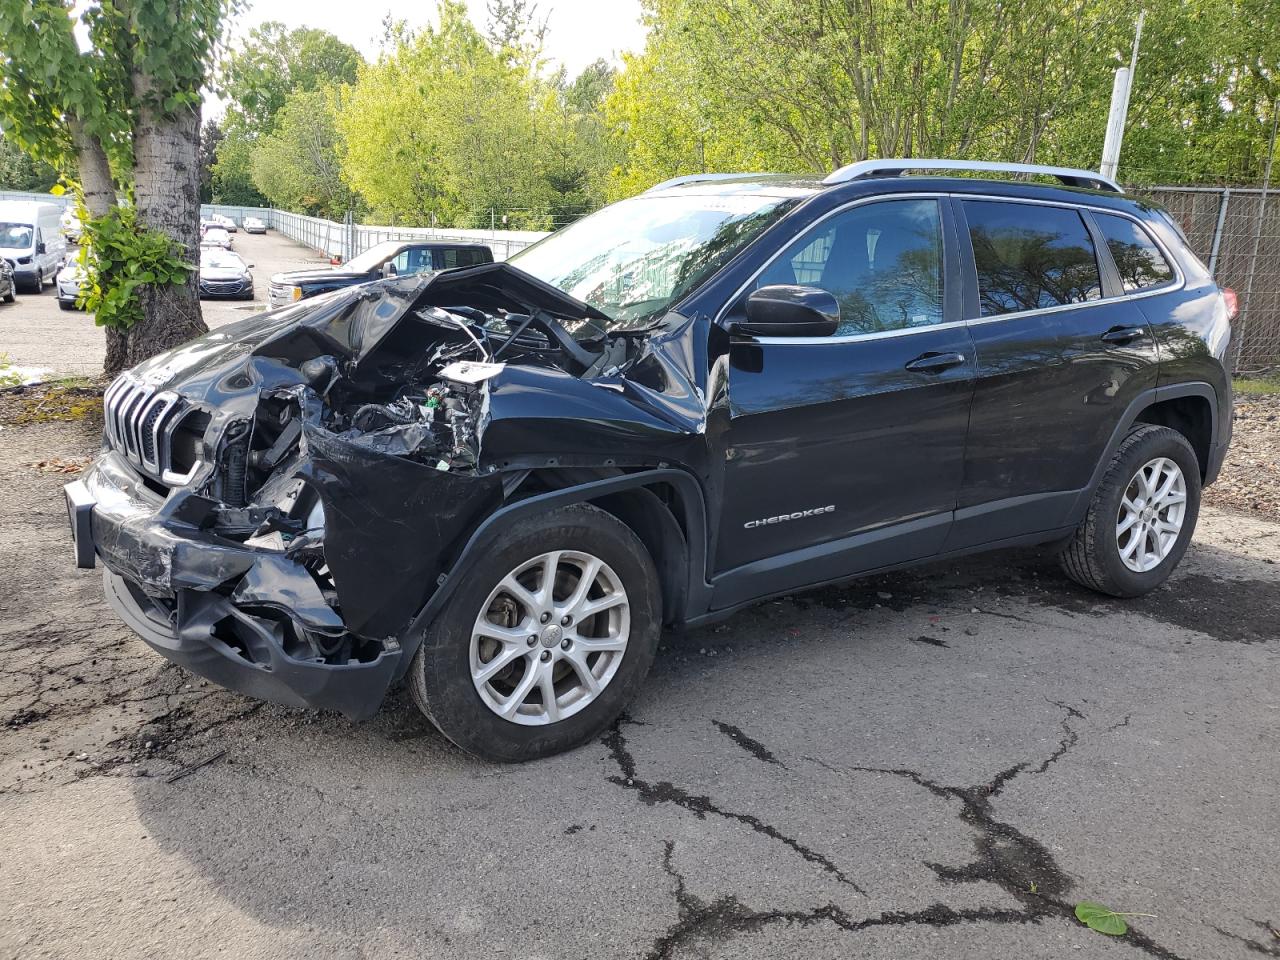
<point x="1141" y="518"/>
<point x="10" y="297"/>
<point x="547" y="640"/>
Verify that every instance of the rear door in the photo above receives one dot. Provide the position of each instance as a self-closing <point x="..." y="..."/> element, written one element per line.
<point x="845" y="453"/>
<point x="1061" y="351"/>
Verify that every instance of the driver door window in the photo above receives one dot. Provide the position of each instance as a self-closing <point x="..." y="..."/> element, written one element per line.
<point x="881" y="261"/>
<point x="413" y="260"/>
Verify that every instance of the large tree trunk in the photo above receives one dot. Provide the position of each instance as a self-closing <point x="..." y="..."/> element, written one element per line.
<point x="166" y="173"/>
<point x="99" y="197"/>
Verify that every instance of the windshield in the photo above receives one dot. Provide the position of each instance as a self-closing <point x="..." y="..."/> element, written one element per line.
<point x="220" y="260"/>
<point x="375" y="256"/>
<point x="634" y="259"/>
<point x="16" y="236"/>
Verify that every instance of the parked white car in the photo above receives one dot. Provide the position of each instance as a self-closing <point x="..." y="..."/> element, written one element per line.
<point x="225" y="222"/>
<point x="216" y="237"/>
<point x="254" y="225"/>
<point x="70" y="283"/>
<point x="71" y="227"/>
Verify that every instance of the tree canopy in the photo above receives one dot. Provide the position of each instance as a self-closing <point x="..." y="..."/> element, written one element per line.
<point x="121" y="113"/>
<point x="457" y="122"/>
<point x="804" y="85"/>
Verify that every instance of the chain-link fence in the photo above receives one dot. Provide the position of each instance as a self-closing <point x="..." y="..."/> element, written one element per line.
<point x="1240" y="241"/>
<point x="345" y="240"/>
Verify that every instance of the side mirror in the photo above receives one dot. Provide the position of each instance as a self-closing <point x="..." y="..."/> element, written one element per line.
<point x="40" y="247"/>
<point x="389" y="269"/>
<point x="790" y="311"/>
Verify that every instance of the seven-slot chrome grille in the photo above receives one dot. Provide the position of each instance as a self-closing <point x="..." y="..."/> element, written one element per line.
<point x="138" y="423"/>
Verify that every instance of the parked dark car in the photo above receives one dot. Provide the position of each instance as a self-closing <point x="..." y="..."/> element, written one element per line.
<point x="8" y="285"/>
<point x="224" y="274"/>
<point x="499" y="483"/>
<point x="391" y="258"/>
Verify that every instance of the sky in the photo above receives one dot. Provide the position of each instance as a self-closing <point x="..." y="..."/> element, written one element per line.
<point x="578" y="31"/>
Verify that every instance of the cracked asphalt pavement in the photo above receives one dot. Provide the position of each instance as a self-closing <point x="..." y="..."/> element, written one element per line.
<point x="936" y="763"/>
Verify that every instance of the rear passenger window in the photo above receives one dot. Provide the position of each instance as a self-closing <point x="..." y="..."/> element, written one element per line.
<point x="1139" y="260"/>
<point x="1030" y="257"/>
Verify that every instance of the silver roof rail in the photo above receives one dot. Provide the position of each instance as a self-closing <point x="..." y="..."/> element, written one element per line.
<point x="1070" y="176"/>
<point x="698" y="178"/>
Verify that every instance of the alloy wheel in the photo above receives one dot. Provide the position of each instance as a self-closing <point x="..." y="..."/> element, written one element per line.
<point x="1151" y="513"/>
<point x="550" y="637"/>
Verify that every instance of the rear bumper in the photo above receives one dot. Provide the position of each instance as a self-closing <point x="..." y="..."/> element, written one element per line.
<point x="244" y="618"/>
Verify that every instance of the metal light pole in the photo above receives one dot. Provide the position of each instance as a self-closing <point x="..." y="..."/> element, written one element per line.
<point x="1120" y="90"/>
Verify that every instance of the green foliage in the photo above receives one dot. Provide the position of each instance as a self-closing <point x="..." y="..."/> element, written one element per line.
<point x="210" y="136"/>
<point x="119" y="256"/>
<point x="806" y="86"/>
<point x="274" y="64"/>
<point x="232" y="173"/>
<point x="1103" y="919"/>
<point x="46" y="77"/>
<point x="9" y="377"/>
<point x="21" y="171"/>
<point x="1260" y="387"/>
<point x="450" y="125"/>
<point x="296" y="167"/>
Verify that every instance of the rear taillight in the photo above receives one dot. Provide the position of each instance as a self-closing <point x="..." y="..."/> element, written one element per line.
<point x="1232" y="301"/>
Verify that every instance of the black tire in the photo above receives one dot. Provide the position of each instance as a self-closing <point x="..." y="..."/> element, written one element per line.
<point x="10" y="297"/>
<point x="1092" y="556"/>
<point x="440" y="676"/>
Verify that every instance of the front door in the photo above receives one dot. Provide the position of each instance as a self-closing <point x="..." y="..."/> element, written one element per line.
<point x="845" y="453"/>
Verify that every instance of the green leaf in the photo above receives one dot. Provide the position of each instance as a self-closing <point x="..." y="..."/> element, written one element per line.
<point x="1102" y="919"/>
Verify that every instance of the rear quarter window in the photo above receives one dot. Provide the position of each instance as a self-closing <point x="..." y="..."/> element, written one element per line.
<point x="1137" y="256"/>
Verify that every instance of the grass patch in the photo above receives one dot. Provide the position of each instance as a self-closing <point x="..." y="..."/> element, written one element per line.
<point x="69" y="400"/>
<point x="1261" y="387"/>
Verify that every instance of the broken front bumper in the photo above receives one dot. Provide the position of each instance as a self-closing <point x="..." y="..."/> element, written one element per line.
<point x="226" y="612"/>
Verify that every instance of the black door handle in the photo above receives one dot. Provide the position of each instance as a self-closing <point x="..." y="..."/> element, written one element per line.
<point x="935" y="362"/>
<point x="1124" y="334"/>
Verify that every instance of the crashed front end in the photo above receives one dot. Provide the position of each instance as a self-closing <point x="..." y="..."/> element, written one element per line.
<point x="278" y="500"/>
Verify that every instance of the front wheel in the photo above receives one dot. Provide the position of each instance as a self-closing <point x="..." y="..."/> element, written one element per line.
<point x="547" y="640"/>
<point x="1141" y="518"/>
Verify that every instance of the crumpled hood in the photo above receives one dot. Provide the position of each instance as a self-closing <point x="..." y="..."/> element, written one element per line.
<point x="347" y="324"/>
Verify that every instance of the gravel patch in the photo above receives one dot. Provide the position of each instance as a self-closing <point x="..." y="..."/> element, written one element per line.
<point x="1250" y="478"/>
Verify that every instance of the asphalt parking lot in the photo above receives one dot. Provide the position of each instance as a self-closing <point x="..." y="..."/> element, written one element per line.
<point x="36" y="332"/>
<point x="938" y="763"/>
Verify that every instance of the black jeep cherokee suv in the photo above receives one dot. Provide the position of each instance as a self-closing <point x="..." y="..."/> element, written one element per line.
<point x="499" y="482"/>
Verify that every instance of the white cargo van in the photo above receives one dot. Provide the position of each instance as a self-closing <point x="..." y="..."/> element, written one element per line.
<point x="31" y="239"/>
